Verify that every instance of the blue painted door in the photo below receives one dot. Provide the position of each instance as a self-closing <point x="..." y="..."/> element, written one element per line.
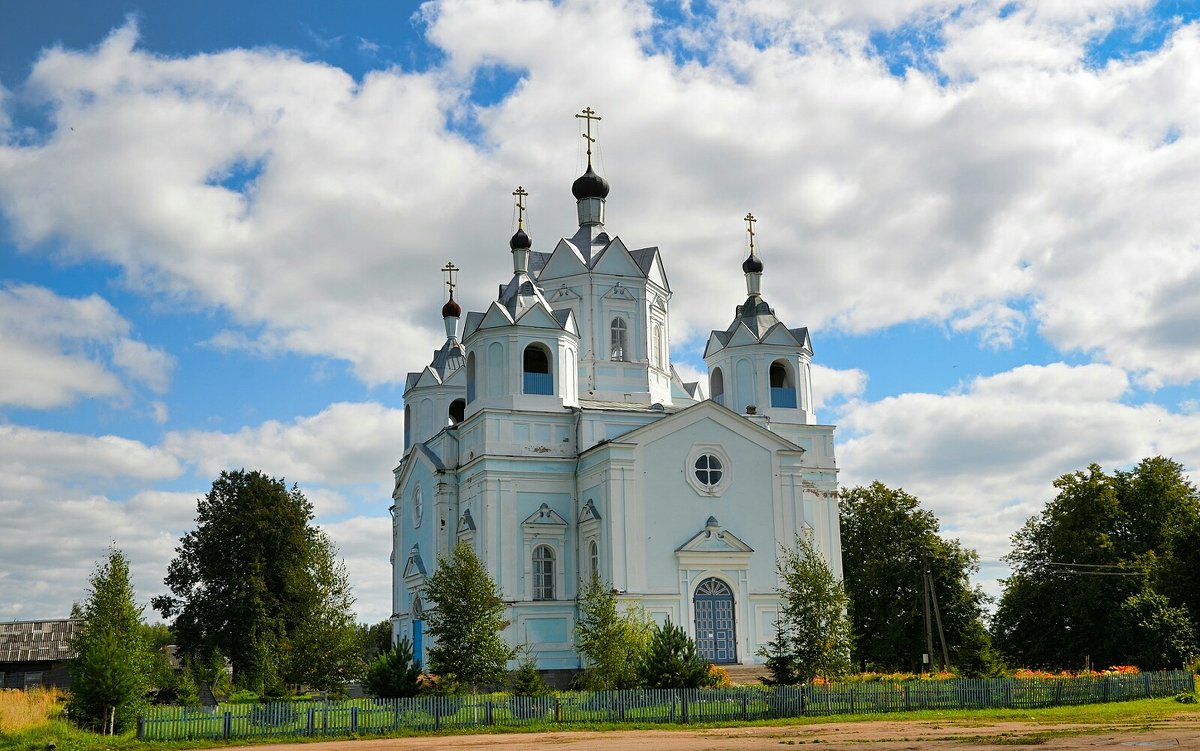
<point x="716" y="632"/>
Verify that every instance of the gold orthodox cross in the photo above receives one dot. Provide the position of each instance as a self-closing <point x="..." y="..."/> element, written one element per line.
<point x="450" y="270"/>
<point x="520" y="193"/>
<point x="750" y="220"/>
<point x="588" y="116"/>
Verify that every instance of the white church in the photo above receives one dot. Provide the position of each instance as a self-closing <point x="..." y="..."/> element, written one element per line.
<point x="551" y="432"/>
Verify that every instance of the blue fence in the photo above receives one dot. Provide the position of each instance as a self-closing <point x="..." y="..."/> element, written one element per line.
<point x="381" y="716"/>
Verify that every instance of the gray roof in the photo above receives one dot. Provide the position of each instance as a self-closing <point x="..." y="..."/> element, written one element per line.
<point x="30" y="641"/>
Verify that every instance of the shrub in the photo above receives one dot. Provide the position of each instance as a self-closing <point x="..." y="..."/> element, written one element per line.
<point x="394" y="673"/>
<point x="672" y="661"/>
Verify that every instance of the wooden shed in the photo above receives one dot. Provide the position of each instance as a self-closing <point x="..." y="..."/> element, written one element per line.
<point x="36" y="653"/>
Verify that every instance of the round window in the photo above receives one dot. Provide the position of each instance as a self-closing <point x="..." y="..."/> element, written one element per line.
<point x="708" y="470"/>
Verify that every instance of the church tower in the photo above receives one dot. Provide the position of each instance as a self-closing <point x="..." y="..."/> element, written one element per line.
<point x="758" y="366"/>
<point x="621" y="298"/>
<point x="521" y="353"/>
<point x="434" y="397"/>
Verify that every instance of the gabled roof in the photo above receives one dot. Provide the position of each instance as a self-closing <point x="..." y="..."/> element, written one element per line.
<point x="713" y="539"/>
<point x="707" y="409"/>
<point x="466" y="523"/>
<point x="616" y="260"/>
<point x="37" y="641"/>
<point x="589" y="513"/>
<point x="414" y="566"/>
<point x="566" y="260"/>
<point x="649" y="260"/>
<point x="545" y="517"/>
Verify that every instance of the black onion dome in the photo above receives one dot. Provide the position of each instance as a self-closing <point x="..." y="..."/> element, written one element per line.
<point x="520" y="240"/>
<point x="589" y="185"/>
<point x="451" y="309"/>
<point x="752" y="265"/>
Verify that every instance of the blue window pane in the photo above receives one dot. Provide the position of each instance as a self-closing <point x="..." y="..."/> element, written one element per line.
<point x="783" y="397"/>
<point x="539" y="383"/>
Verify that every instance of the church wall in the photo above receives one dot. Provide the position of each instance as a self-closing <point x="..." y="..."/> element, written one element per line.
<point x="674" y="510"/>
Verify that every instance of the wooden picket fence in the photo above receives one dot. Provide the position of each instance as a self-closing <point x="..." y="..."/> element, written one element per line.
<point x="382" y="716"/>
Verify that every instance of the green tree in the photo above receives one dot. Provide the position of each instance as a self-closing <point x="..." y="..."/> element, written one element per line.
<point x="975" y="657"/>
<point x="376" y="638"/>
<point x="782" y="662"/>
<point x="109" y="676"/>
<point x="1101" y="574"/>
<point x="813" y="633"/>
<point x="466" y="622"/>
<point x="394" y="673"/>
<point x="252" y="576"/>
<point x="527" y="681"/>
<point x="1164" y="635"/>
<point x="612" y="644"/>
<point x="888" y="542"/>
<point x="324" y="651"/>
<point x="672" y="660"/>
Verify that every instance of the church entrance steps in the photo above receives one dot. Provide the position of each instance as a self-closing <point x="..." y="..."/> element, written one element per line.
<point x="746" y="673"/>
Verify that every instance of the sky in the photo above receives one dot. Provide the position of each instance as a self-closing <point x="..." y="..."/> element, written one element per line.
<point x="222" y="224"/>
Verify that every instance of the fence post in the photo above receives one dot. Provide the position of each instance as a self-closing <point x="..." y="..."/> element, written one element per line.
<point x="353" y="719"/>
<point x="851" y="699"/>
<point x="141" y="727"/>
<point x="683" y="711"/>
<point x="227" y="730"/>
<point x="745" y="706"/>
<point x="1146" y="682"/>
<point x="310" y="723"/>
<point x="557" y="714"/>
<point x="487" y="712"/>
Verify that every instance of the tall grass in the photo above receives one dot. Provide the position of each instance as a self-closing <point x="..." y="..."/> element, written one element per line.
<point x="26" y="709"/>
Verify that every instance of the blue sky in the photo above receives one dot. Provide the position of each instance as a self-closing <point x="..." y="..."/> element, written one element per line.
<point x="221" y="226"/>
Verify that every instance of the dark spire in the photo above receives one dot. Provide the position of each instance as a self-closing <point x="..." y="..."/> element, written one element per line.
<point x="520" y="240"/>
<point x="589" y="184"/>
<point x="753" y="264"/>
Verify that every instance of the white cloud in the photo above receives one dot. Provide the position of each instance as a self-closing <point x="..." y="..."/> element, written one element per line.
<point x="56" y="349"/>
<point x="830" y="384"/>
<point x="886" y="200"/>
<point x="983" y="458"/>
<point x="143" y="363"/>
<point x="47" y="565"/>
<point x="344" y="444"/>
<point x="37" y="464"/>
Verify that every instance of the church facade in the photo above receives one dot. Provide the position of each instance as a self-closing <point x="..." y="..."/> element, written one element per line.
<point x="551" y="432"/>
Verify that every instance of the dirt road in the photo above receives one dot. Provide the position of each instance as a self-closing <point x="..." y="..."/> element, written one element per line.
<point x="1179" y="733"/>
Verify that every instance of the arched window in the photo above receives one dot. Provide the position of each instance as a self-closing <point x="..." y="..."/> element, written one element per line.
<point x="418" y="508"/>
<point x="660" y="355"/>
<point x="620" y="339"/>
<point x="536" y="366"/>
<point x="594" y="557"/>
<point x="458" y="410"/>
<point x="716" y="386"/>
<point x="783" y="386"/>
<point x="543" y="573"/>
<point x="470" y="377"/>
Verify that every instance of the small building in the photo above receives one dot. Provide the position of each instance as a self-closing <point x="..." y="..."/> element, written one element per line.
<point x="36" y="653"/>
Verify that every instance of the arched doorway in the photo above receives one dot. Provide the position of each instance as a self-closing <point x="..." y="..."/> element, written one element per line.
<point x="716" y="634"/>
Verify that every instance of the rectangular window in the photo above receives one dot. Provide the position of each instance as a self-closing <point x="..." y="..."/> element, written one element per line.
<point x="784" y="397"/>
<point x="539" y="383"/>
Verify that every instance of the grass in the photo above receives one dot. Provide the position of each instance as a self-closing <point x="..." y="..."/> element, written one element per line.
<point x="24" y="709"/>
